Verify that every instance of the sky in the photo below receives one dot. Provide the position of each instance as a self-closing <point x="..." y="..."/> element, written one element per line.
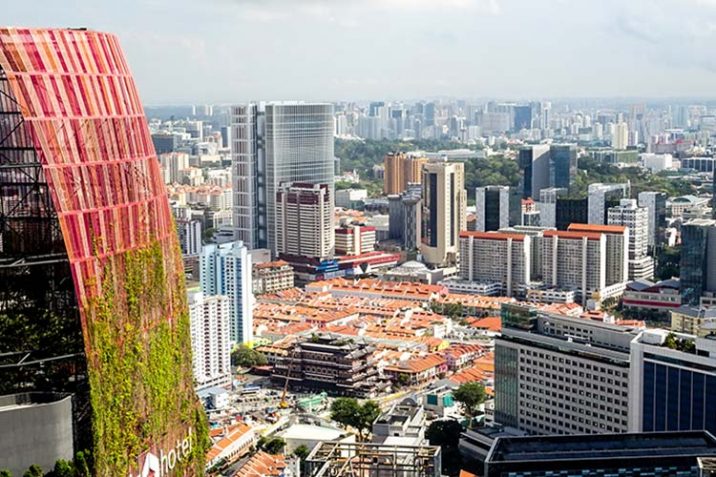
<point x="223" y="51"/>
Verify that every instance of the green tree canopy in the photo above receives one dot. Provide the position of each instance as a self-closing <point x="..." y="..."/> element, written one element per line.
<point x="301" y="452"/>
<point x="63" y="468"/>
<point x="444" y="433"/>
<point x="246" y="357"/>
<point x="34" y="471"/>
<point x="471" y="396"/>
<point x="272" y="445"/>
<point x="349" y="412"/>
<point x="5" y="473"/>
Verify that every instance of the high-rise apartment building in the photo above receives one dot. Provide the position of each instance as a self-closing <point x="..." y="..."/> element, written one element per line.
<point x="603" y="196"/>
<point x="444" y="203"/>
<point x="496" y="257"/>
<point x="556" y="374"/>
<point x="620" y="140"/>
<point x="210" y="318"/>
<point x="226" y="270"/>
<point x="190" y="235"/>
<point x="273" y="144"/>
<point x="636" y="219"/>
<point x="173" y="164"/>
<point x="617" y="256"/>
<point x="304" y="221"/>
<point x="492" y="204"/>
<point x="91" y="279"/>
<point x="697" y="271"/>
<point x="655" y="203"/>
<point x="355" y="239"/>
<point x="400" y="170"/>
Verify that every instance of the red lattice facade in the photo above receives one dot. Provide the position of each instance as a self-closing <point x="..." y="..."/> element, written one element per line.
<point x="82" y="116"/>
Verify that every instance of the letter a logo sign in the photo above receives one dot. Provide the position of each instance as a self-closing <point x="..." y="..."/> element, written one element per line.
<point x="151" y="467"/>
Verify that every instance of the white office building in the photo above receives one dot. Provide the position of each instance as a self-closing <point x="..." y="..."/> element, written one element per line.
<point x="636" y="219"/>
<point x="226" y="270"/>
<point x="210" y="319"/>
<point x="601" y="197"/>
<point x="556" y="374"/>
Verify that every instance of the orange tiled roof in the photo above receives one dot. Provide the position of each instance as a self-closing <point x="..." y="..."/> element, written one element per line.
<point x="418" y="365"/>
<point x="607" y="229"/>
<point x="492" y="235"/>
<point x="231" y="435"/>
<point x="262" y="464"/>
<point x="489" y="323"/>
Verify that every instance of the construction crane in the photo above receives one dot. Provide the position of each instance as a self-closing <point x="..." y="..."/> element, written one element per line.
<point x="283" y="404"/>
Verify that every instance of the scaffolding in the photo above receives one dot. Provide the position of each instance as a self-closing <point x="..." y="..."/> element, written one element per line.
<point x="339" y="459"/>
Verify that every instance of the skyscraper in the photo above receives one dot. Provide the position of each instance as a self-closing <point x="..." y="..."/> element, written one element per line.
<point x="304" y="221"/>
<point x="637" y="220"/>
<point x="697" y="271"/>
<point x="91" y="277"/>
<point x="620" y="140"/>
<point x="563" y="165"/>
<point x="534" y="162"/>
<point x="655" y="202"/>
<point x="226" y="270"/>
<point x="401" y="170"/>
<point x="492" y="204"/>
<point x="210" y="318"/>
<point x="274" y="144"/>
<point x="444" y="202"/>
<point x="602" y="197"/>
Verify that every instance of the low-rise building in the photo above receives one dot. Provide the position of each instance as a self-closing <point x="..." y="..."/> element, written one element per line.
<point x="405" y="419"/>
<point x="230" y="444"/>
<point x="693" y="320"/>
<point x="417" y="371"/>
<point x="644" y="294"/>
<point x="343" y="366"/>
<point x="272" y="277"/>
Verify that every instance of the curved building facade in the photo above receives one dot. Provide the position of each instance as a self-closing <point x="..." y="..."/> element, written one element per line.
<point x="91" y="278"/>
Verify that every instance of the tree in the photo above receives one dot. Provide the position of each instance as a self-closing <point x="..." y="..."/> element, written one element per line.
<point x="301" y="452"/>
<point x="272" y="445"/>
<point x="63" y="468"/>
<point x="245" y="357"/>
<point x="349" y="412"/>
<point x="470" y="395"/>
<point x="34" y="471"/>
<point x="83" y="463"/>
<point x="444" y="433"/>
<point x="5" y="473"/>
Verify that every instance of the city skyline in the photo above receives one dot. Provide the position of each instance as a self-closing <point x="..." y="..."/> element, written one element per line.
<point x="463" y="48"/>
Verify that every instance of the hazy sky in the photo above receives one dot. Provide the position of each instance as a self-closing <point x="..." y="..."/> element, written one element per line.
<point x="184" y="51"/>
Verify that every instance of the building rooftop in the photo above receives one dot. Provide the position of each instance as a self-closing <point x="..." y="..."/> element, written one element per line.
<point x="597" y="448"/>
<point x="606" y="229"/>
<point x="313" y="433"/>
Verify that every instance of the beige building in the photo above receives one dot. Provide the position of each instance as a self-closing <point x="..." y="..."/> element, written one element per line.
<point x="574" y="261"/>
<point x="444" y="214"/>
<point x="272" y="277"/>
<point x="617" y="251"/>
<point x="401" y="170"/>
<point x="495" y="257"/>
<point x="304" y="220"/>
